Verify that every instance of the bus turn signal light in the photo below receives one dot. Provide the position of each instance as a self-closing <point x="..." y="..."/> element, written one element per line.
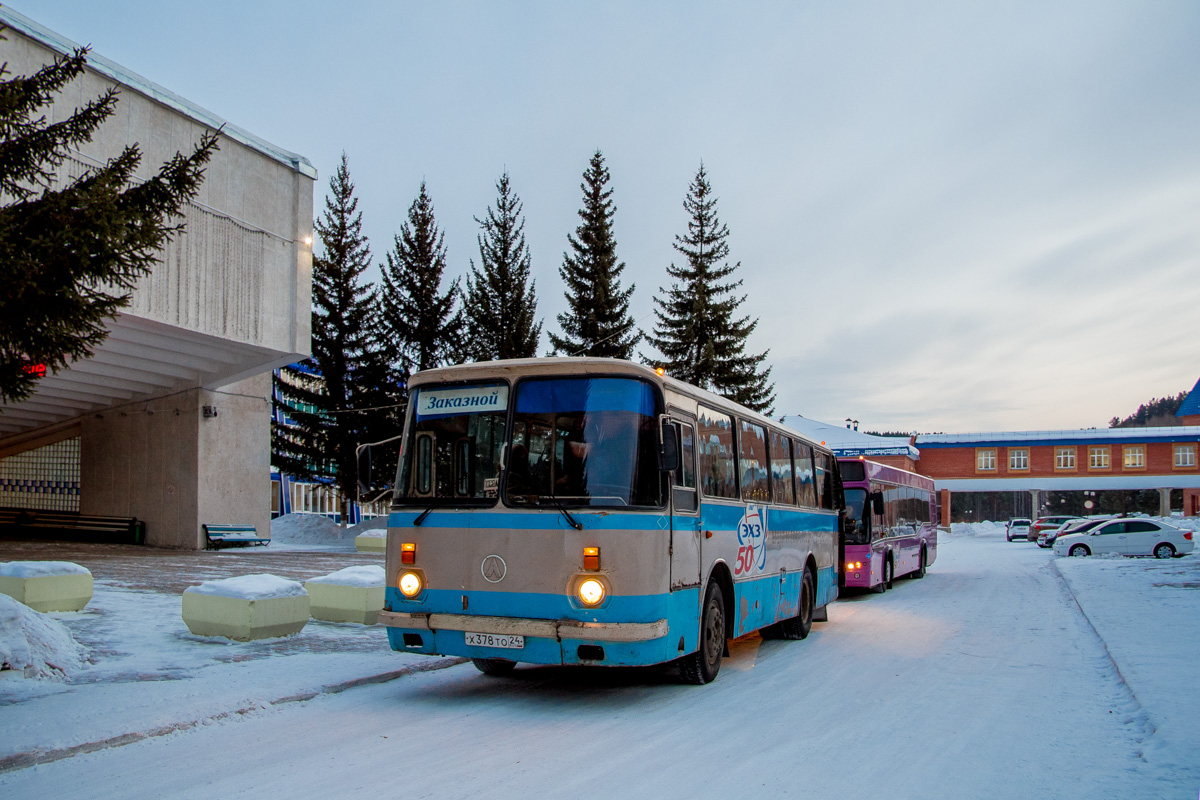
<point x="408" y="553"/>
<point x="591" y="558"/>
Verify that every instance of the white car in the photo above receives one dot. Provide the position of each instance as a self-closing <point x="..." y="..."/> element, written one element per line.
<point x="1127" y="537"/>
<point x="1017" y="528"/>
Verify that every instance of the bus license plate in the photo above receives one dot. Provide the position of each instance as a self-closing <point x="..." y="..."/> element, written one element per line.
<point x="495" y="640"/>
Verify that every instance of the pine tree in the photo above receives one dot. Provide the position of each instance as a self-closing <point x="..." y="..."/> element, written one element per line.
<point x="421" y="325"/>
<point x="597" y="320"/>
<point x="327" y="396"/>
<point x="501" y="301"/>
<point x="701" y="341"/>
<point x="73" y="250"/>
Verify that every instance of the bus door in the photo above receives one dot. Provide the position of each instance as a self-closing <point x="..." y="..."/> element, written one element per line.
<point x="685" y="511"/>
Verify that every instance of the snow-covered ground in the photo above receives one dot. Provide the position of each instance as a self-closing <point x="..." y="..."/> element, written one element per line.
<point x="1006" y="672"/>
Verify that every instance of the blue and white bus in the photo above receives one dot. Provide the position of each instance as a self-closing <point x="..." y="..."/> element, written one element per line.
<point x="590" y="511"/>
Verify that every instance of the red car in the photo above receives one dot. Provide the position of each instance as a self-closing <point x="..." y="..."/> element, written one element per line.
<point x="1047" y="524"/>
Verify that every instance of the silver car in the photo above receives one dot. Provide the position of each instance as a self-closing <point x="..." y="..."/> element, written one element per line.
<point x="1127" y="537"/>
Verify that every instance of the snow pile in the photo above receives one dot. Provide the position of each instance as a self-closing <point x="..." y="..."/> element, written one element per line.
<point x="368" y="576"/>
<point x="376" y="526"/>
<point x="40" y="569"/>
<point x="309" y="529"/>
<point x="975" y="528"/>
<point x="34" y="645"/>
<point x="250" y="587"/>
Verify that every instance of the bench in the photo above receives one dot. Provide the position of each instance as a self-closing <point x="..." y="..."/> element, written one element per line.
<point x="218" y="536"/>
<point x="46" y="524"/>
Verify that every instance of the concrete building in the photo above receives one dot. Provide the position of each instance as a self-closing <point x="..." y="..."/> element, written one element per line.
<point x="169" y="421"/>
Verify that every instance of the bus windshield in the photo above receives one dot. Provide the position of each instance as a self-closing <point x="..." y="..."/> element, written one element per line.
<point x="452" y="448"/>
<point x="584" y="442"/>
<point x="856" y="503"/>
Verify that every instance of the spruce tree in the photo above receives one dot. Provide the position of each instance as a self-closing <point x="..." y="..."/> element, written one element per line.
<point x="597" y="320"/>
<point x="73" y="250"/>
<point x="332" y="398"/>
<point x="501" y="301"/>
<point x="421" y="325"/>
<point x="701" y="341"/>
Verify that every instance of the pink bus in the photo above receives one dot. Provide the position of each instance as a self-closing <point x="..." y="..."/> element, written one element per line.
<point x="891" y="525"/>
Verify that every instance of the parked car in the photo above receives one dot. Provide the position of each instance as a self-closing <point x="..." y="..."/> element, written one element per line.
<point x="1127" y="537"/>
<point x="1046" y="524"/>
<point x="1048" y="537"/>
<point x="1017" y="527"/>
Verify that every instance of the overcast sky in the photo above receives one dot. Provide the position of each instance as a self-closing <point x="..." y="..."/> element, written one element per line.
<point x="949" y="216"/>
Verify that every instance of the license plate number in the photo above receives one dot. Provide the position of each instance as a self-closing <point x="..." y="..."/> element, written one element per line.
<point x="511" y="642"/>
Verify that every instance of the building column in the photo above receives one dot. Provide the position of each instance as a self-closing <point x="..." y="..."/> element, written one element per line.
<point x="1037" y="503"/>
<point x="945" y="508"/>
<point x="1191" y="502"/>
<point x="1164" y="502"/>
<point x="175" y="466"/>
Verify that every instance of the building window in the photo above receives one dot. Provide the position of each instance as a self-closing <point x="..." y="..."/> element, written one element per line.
<point x="1185" y="456"/>
<point x="985" y="459"/>
<point x="1135" y="456"/>
<point x="1098" y="457"/>
<point x="1064" y="458"/>
<point x="1018" y="460"/>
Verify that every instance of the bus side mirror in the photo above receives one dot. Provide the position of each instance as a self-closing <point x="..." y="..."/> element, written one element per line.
<point x="363" y="457"/>
<point x="668" y="446"/>
<point x="877" y="503"/>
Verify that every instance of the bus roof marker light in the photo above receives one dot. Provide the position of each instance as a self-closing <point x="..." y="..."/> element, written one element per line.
<point x="591" y="558"/>
<point x="660" y="371"/>
<point x="408" y="553"/>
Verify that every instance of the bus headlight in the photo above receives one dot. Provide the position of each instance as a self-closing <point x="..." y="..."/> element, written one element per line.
<point x="410" y="584"/>
<point x="591" y="592"/>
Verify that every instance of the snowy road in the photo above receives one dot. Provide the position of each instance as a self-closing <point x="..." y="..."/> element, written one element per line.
<point x="982" y="680"/>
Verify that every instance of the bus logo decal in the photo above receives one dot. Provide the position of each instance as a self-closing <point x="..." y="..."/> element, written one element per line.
<point x="752" y="540"/>
<point x="494" y="569"/>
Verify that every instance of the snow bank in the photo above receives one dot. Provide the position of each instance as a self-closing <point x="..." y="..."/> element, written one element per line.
<point x="40" y="569"/>
<point x="308" y="529"/>
<point x="250" y="587"/>
<point x="34" y="645"/>
<point x="376" y="526"/>
<point x="369" y="576"/>
<point x="975" y="528"/>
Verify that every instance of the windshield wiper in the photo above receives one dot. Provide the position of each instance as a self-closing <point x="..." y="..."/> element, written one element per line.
<point x="562" y="509"/>
<point x="417" y="522"/>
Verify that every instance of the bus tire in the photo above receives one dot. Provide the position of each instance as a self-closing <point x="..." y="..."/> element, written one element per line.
<point x="496" y="667"/>
<point x="798" y="626"/>
<point x="886" y="583"/>
<point x="919" y="572"/>
<point x="702" y="666"/>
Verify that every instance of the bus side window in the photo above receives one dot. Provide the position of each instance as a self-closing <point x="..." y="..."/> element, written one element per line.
<point x="781" y="469"/>
<point x="824" y="481"/>
<point x="684" y="492"/>
<point x="752" y="461"/>
<point x="805" y="491"/>
<point x="717" y="474"/>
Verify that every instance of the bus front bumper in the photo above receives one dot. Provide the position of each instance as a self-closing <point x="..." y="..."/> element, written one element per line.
<point x="558" y="629"/>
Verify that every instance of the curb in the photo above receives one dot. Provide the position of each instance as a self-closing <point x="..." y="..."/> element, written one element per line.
<point x="32" y="758"/>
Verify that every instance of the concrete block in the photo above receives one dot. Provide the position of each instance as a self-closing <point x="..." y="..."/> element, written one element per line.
<point x="47" y="585"/>
<point x="370" y="544"/>
<point x="334" y="603"/>
<point x="246" y="608"/>
<point x="353" y="594"/>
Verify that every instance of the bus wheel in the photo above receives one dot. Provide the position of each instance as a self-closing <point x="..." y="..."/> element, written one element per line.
<point x="886" y="583"/>
<point x="702" y="666"/>
<point x="920" y="571"/>
<point x="498" y="667"/>
<point x="798" y="626"/>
